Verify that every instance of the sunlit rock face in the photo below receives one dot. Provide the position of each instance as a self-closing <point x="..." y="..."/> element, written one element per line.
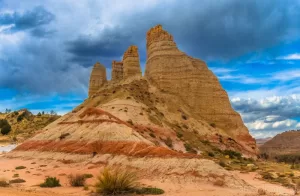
<point x="131" y="63"/>
<point x="117" y="71"/>
<point x="97" y="78"/>
<point x="174" y="72"/>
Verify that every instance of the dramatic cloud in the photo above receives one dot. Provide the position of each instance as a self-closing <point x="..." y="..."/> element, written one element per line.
<point x="48" y="47"/>
<point x="35" y="18"/>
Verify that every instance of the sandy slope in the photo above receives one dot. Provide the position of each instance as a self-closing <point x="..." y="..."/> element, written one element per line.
<point x="36" y="170"/>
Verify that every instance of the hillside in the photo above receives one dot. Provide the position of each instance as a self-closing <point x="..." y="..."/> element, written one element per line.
<point x="24" y="124"/>
<point x="284" y="143"/>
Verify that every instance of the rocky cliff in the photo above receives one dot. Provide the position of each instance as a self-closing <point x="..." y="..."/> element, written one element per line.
<point x="174" y="72"/>
<point x="117" y="71"/>
<point x="179" y="109"/>
<point x="97" y="78"/>
<point x="131" y="63"/>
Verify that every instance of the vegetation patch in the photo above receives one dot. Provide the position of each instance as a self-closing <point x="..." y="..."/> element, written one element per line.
<point x="3" y="183"/>
<point x="149" y="191"/>
<point x="50" y="182"/>
<point x="77" y="180"/>
<point x="20" y="167"/>
<point x="18" y="180"/>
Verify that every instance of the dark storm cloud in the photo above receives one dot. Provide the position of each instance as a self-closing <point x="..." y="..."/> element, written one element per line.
<point x="212" y="31"/>
<point x="204" y="29"/>
<point x="28" y="20"/>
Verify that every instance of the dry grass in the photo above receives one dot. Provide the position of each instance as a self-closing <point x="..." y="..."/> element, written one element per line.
<point x="261" y="192"/>
<point x="116" y="181"/>
<point x="77" y="180"/>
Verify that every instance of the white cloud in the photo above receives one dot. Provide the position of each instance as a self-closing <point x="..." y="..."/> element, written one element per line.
<point x="295" y="56"/>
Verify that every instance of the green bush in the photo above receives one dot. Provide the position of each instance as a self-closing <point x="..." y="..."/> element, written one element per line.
<point x="232" y="154"/>
<point x="5" y="126"/>
<point x="20" y="167"/>
<point x="88" y="175"/>
<point x="116" y="181"/>
<point x="77" y="180"/>
<point x="18" y="180"/>
<point x="50" y="182"/>
<point x="149" y="191"/>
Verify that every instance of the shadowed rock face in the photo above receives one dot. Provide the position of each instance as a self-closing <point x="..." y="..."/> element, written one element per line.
<point x="97" y="78"/>
<point x="117" y="71"/>
<point x="174" y="72"/>
<point x="131" y="63"/>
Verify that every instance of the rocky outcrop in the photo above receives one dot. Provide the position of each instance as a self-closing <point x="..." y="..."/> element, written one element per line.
<point x="172" y="71"/>
<point x="97" y="78"/>
<point x="117" y="71"/>
<point x="131" y="63"/>
<point x="284" y="143"/>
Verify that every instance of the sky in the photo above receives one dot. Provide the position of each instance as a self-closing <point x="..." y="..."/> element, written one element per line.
<point x="48" y="47"/>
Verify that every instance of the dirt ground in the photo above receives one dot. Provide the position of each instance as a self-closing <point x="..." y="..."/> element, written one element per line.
<point x="36" y="171"/>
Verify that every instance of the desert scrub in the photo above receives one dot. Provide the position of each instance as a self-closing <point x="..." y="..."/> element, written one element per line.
<point x="3" y="183"/>
<point x="169" y="142"/>
<point x="15" y="175"/>
<point x="20" y="167"/>
<point x="149" y="191"/>
<point x="116" y="181"/>
<point x="88" y="175"/>
<point x="152" y="135"/>
<point x="76" y="180"/>
<point x="50" y="182"/>
<point x="18" y="180"/>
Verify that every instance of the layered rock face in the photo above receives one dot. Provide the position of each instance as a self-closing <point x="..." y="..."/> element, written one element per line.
<point x="174" y="72"/>
<point x="284" y="143"/>
<point x="131" y="63"/>
<point x="117" y="71"/>
<point x="97" y="78"/>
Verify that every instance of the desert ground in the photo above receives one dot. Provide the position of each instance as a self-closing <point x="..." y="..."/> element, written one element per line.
<point x="37" y="169"/>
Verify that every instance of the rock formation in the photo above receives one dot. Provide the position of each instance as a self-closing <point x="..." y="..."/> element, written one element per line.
<point x="174" y="72"/>
<point x="117" y="71"/>
<point x="131" y="63"/>
<point x="284" y="143"/>
<point x="97" y="78"/>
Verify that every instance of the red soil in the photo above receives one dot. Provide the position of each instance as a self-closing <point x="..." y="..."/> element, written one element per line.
<point x="136" y="149"/>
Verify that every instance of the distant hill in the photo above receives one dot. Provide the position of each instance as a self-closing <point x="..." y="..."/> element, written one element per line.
<point x="24" y="124"/>
<point x="262" y="141"/>
<point x="284" y="143"/>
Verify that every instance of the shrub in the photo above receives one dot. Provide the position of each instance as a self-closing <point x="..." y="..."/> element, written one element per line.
<point x="77" y="180"/>
<point x="20" y="167"/>
<point x="213" y="125"/>
<point x="219" y="182"/>
<point x="222" y="164"/>
<point x="261" y="192"/>
<point x="130" y="121"/>
<point x="88" y="175"/>
<point x="179" y="135"/>
<point x="5" y="129"/>
<point x="211" y="154"/>
<point x="169" y="142"/>
<point x="149" y="191"/>
<point x="116" y="181"/>
<point x="152" y="135"/>
<point x="63" y="136"/>
<point x="15" y="175"/>
<point x="267" y="176"/>
<point x="3" y="183"/>
<point x="50" y="182"/>
<point x="232" y="154"/>
<point x="18" y="180"/>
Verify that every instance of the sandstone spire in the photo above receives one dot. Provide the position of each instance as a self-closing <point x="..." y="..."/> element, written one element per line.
<point x="131" y="63"/>
<point x="117" y="71"/>
<point x="97" y="78"/>
<point x="190" y="79"/>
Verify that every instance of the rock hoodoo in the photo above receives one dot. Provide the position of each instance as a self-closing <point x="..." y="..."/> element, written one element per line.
<point x="117" y="71"/>
<point x="97" y="78"/>
<point x="174" y="72"/>
<point x="131" y="63"/>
